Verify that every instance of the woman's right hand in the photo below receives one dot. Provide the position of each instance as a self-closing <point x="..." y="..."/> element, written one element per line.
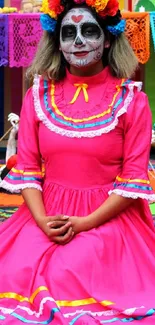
<point x="57" y="228"/>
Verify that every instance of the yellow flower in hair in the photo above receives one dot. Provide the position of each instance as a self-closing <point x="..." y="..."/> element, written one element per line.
<point x="52" y="7"/>
<point x="104" y="7"/>
<point x="46" y="10"/>
<point x="98" y="5"/>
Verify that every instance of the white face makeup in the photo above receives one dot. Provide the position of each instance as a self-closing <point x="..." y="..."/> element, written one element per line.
<point x="81" y="38"/>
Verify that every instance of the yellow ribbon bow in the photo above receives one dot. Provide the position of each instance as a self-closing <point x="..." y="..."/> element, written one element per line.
<point x="80" y="87"/>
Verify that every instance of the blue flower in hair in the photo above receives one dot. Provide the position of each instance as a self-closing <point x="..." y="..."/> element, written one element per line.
<point x="48" y="23"/>
<point x="117" y="29"/>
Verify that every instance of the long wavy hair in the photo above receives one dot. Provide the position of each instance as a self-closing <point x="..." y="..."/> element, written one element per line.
<point x="50" y="62"/>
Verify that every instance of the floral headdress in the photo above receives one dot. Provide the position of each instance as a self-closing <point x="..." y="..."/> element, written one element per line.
<point x="51" y="9"/>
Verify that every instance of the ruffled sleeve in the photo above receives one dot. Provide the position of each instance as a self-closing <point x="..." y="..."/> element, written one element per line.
<point x="133" y="181"/>
<point x="27" y="173"/>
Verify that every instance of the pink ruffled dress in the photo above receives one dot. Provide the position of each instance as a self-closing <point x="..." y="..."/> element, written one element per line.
<point x="93" y="135"/>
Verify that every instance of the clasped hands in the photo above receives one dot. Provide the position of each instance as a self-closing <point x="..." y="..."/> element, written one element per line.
<point x="61" y="229"/>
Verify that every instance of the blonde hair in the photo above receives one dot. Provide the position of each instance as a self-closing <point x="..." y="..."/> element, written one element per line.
<point x="50" y="63"/>
<point x="47" y="60"/>
<point x="121" y="58"/>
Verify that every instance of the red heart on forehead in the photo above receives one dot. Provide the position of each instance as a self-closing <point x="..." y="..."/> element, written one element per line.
<point x="77" y="19"/>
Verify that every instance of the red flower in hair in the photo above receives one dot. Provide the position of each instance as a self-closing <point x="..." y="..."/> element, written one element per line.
<point x="111" y="9"/>
<point x="56" y="7"/>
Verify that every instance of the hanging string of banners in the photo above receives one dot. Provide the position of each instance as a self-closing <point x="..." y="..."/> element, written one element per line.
<point x="20" y="35"/>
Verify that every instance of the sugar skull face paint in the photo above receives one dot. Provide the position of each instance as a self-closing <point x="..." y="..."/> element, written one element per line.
<point x="81" y="38"/>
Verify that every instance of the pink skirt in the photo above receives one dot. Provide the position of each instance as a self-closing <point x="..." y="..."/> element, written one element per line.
<point x="103" y="276"/>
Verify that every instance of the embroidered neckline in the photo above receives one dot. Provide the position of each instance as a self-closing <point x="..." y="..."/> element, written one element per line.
<point x="52" y="122"/>
<point x="90" y="118"/>
<point x="95" y="123"/>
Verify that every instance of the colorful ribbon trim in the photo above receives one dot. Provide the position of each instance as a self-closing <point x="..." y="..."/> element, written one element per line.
<point x="19" y="171"/>
<point x="83" y="302"/>
<point x="84" y="126"/>
<point x="54" y="310"/>
<point x="138" y="187"/>
<point x="64" y="303"/>
<point x="28" y="321"/>
<point x="60" y="303"/>
<point x="132" y="180"/>
<point x="21" y="175"/>
<point x="12" y="295"/>
<point x="127" y="183"/>
<point x="116" y="319"/>
<point x="22" y="178"/>
<point x="129" y="319"/>
<point x="56" y="109"/>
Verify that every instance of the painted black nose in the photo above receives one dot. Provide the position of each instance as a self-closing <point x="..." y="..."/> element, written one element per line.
<point x="78" y="41"/>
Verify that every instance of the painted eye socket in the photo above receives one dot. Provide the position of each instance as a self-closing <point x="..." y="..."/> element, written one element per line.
<point x="90" y="30"/>
<point x="68" y="32"/>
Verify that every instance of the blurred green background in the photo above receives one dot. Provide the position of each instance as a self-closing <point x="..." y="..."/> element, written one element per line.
<point x="150" y="80"/>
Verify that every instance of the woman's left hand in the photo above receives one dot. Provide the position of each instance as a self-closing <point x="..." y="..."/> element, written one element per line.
<point x="79" y="224"/>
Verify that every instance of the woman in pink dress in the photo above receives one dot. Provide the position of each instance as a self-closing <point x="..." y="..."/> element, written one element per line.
<point x="81" y="249"/>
